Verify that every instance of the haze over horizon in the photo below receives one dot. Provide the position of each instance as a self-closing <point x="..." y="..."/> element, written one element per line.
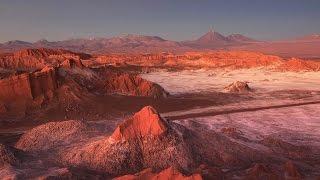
<point x="178" y="20"/>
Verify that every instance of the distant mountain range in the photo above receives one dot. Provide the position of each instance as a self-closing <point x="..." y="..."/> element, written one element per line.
<point x="128" y="43"/>
<point x="307" y="46"/>
<point x="215" y="40"/>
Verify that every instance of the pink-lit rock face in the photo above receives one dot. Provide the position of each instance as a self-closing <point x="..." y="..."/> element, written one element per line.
<point x="133" y="85"/>
<point x="31" y="59"/>
<point x="146" y="122"/>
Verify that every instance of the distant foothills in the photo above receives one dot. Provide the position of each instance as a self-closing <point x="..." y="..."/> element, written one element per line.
<point x="303" y="47"/>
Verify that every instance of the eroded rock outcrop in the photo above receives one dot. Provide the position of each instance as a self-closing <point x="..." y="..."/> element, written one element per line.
<point x="28" y="86"/>
<point x="142" y="141"/>
<point x="238" y="87"/>
<point x="72" y="63"/>
<point x="297" y="65"/>
<point x="169" y="173"/>
<point x="35" y="59"/>
<point x="15" y="87"/>
<point x="145" y="123"/>
<point x="133" y="85"/>
<point x="146" y="140"/>
<point x="40" y="53"/>
<point x="26" y="92"/>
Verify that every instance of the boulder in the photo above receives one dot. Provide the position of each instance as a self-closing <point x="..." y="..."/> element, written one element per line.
<point x="238" y="87"/>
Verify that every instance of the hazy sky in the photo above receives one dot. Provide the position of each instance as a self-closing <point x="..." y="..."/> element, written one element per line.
<point x="31" y="20"/>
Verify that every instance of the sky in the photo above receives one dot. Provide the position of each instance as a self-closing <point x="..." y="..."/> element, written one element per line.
<point x="32" y="20"/>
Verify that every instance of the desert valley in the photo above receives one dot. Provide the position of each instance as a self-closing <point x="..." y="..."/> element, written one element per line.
<point x="211" y="114"/>
<point x="141" y="90"/>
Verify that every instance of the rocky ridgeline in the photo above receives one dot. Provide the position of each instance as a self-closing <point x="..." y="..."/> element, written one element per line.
<point x="39" y="53"/>
<point x="149" y="146"/>
<point x="295" y="65"/>
<point x="213" y="59"/>
<point x="36" y="59"/>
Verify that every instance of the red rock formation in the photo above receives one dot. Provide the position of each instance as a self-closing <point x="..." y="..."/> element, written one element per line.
<point x="71" y="63"/>
<point x="213" y="59"/>
<point x="39" y="53"/>
<point x="295" y="64"/>
<point x="15" y="87"/>
<point x="43" y="82"/>
<point x="28" y="86"/>
<point x="146" y="122"/>
<point x="31" y="59"/>
<point x="145" y="140"/>
<point x="238" y="87"/>
<point x="133" y="85"/>
<point x="170" y="173"/>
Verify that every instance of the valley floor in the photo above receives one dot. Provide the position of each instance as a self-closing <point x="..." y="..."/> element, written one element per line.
<point x="278" y="118"/>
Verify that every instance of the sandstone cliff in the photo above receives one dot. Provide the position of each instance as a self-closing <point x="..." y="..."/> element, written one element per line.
<point x="28" y="86"/>
<point x="132" y="85"/>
